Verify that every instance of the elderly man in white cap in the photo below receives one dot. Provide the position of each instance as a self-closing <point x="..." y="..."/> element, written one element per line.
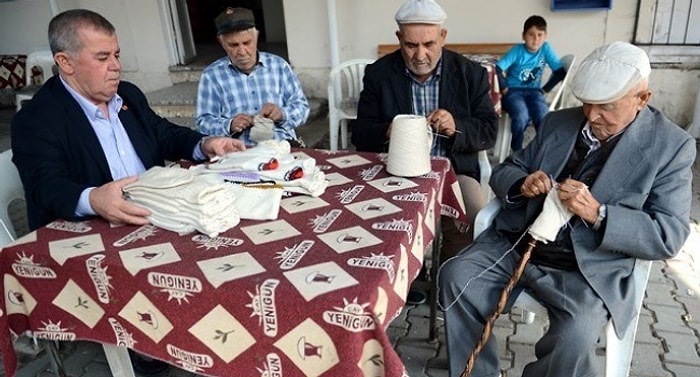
<point x="624" y="171"/>
<point x="425" y="79"/>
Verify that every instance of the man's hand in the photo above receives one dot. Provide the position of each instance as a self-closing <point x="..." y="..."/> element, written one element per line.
<point x="240" y="122"/>
<point x="220" y="146"/>
<point x="442" y="122"/>
<point x="575" y="196"/>
<point x="272" y="111"/>
<point x="535" y="184"/>
<point x="107" y="201"/>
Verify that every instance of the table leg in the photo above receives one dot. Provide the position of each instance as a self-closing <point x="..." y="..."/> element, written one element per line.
<point x="55" y="358"/>
<point x="119" y="361"/>
<point x="435" y="265"/>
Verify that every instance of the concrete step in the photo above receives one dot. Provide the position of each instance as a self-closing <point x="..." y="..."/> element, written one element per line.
<point x="179" y="101"/>
<point x="187" y="73"/>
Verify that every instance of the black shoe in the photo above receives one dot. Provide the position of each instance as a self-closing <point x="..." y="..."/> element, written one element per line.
<point x="416" y="297"/>
<point x="147" y="366"/>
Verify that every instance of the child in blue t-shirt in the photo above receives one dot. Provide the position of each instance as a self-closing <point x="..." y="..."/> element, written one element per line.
<point x="523" y="64"/>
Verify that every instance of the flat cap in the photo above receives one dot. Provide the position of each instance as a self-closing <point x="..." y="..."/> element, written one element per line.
<point x="234" y="19"/>
<point x="420" y="12"/>
<point x="609" y="72"/>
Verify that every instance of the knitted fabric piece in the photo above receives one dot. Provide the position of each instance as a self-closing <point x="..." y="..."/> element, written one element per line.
<point x="262" y="130"/>
<point x="553" y="216"/>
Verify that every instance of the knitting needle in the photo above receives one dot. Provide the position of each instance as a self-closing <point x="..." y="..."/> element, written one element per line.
<point x="445" y="136"/>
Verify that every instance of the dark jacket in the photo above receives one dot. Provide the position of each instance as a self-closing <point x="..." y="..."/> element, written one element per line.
<point x="58" y="154"/>
<point x="464" y="92"/>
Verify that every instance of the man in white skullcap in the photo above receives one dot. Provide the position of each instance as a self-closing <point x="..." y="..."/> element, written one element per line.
<point x="624" y="171"/>
<point x="423" y="78"/>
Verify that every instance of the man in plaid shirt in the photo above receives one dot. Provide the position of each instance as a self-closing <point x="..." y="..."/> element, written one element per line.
<point x="248" y="91"/>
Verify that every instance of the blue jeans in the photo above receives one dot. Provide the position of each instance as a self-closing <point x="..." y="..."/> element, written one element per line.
<point x="523" y="106"/>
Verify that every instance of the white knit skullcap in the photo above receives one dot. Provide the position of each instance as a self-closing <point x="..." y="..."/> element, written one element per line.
<point x="609" y="73"/>
<point x="420" y="12"/>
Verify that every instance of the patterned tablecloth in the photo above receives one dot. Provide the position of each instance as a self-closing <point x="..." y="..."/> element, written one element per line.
<point x="308" y="294"/>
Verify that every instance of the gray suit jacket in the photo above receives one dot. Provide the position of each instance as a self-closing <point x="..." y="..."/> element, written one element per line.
<point x="645" y="183"/>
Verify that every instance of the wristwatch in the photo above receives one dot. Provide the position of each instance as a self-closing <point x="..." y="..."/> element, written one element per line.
<point x="602" y="214"/>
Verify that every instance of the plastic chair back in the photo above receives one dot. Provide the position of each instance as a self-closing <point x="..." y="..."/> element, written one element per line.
<point x="11" y="194"/>
<point x="42" y="59"/>
<point x="557" y="101"/>
<point x="344" y="87"/>
<point x="618" y="352"/>
<point x="485" y="170"/>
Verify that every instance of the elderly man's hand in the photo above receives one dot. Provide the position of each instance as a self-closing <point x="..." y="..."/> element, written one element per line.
<point x="272" y="111"/>
<point x="575" y="196"/>
<point x="535" y="184"/>
<point x="240" y="122"/>
<point x="108" y="202"/>
<point x="442" y="122"/>
<point x="221" y="146"/>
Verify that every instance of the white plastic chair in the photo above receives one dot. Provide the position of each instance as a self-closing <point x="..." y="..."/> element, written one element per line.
<point x="556" y="101"/>
<point x="11" y="191"/>
<point x="344" y="87"/>
<point x="618" y="352"/>
<point x="502" y="147"/>
<point x="42" y="59"/>
<point x="485" y="174"/>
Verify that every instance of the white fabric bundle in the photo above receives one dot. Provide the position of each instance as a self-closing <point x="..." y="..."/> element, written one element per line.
<point x="298" y="175"/>
<point x="264" y="156"/>
<point x="182" y="201"/>
<point x="553" y="216"/>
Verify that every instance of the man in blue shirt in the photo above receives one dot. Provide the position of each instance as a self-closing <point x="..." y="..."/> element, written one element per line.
<point x="242" y="92"/>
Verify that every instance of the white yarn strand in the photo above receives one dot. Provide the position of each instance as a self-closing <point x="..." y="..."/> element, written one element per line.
<point x="479" y="275"/>
<point x="409" y="146"/>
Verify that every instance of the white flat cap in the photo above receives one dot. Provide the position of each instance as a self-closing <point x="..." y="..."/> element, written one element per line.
<point x="420" y="12"/>
<point x="609" y="72"/>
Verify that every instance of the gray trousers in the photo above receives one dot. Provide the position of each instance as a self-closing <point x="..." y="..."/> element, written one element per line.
<point x="576" y="314"/>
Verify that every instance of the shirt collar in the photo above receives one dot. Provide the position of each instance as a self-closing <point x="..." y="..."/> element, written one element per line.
<point x="591" y="141"/>
<point x="262" y="61"/>
<point x="90" y="109"/>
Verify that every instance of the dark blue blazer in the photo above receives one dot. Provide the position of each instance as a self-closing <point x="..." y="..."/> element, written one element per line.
<point x="58" y="154"/>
